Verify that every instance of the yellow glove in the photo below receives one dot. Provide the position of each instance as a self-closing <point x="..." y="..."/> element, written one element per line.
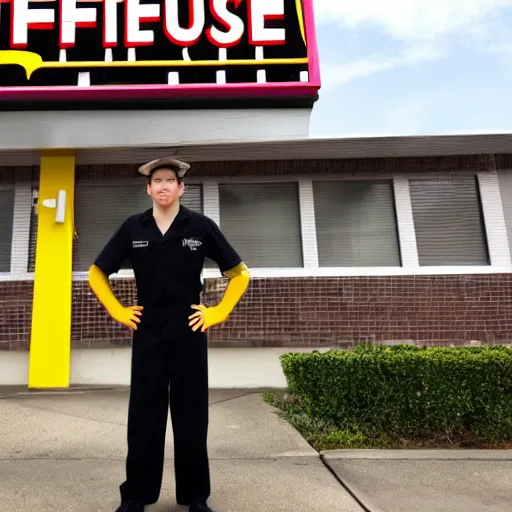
<point x="207" y="317"/>
<point x="129" y="316"/>
<point x="100" y="285"/>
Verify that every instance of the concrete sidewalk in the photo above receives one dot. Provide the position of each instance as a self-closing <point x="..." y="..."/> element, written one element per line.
<point x="65" y="452"/>
<point x="426" y="480"/>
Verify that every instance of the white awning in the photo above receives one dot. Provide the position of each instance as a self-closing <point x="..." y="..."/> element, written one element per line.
<point x="288" y="149"/>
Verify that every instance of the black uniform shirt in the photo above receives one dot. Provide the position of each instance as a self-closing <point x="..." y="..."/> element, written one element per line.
<point x="167" y="267"/>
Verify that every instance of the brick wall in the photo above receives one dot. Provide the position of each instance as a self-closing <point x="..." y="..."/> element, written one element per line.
<point x="303" y="312"/>
<point x="359" y="166"/>
<point x="15" y="314"/>
<point x="307" y="312"/>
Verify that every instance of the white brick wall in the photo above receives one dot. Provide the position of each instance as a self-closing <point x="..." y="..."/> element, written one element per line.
<point x="308" y="224"/>
<point x="21" y="228"/>
<point x="406" y="230"/>
<point x="211" y="204"/>
<point x="495" y="226"/>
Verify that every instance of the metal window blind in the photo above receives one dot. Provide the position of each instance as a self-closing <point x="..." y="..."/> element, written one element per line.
<point x="448" y="221"/>
<point x="100" y="210"/>
<point x="356" y="224"/>
<point x="262" y="222"/>
<point x="32" y="233"/>
<point x="505" y="183"/>
<point x="6" y="225"/>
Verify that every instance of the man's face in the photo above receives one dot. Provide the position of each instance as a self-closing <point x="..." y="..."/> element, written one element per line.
<point x="164" y="188"/>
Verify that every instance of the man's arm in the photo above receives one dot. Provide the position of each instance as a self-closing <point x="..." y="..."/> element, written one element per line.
<point x="100" y="285"/>
<point x="108" y="262"/>
<point x="230" y="264"/>
<point x="239" y="278"/>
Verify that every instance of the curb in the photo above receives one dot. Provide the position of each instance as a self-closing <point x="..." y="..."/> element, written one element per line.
<point x="18" y="391"/>
<point x="440" y="454"/>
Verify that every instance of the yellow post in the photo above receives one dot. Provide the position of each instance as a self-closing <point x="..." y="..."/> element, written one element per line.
<point x="50" y="343"/>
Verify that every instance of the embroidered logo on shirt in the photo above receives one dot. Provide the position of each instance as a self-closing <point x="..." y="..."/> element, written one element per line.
<point x="192" y="243"/>
<point x="137" y="244"/>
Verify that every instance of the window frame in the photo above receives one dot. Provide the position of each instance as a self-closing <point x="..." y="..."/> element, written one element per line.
<point x="131" y="181"/>
<point x="296" y="191"/>
<point x="409" y="266"/>
<point x="384" y="180"/>
<point x="482" y="220"/>
<point x="311" y="269"/>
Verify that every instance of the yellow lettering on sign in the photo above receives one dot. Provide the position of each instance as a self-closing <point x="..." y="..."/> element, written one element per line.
<point x="300" y="16"/>
<point x="30" y="61"/>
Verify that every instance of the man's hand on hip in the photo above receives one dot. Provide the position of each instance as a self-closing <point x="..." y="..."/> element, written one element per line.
<point x="205" y="318"/>
<point x="129" y="316"/>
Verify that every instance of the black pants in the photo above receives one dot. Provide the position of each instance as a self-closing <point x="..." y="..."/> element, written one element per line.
<point x="168" y="370"/>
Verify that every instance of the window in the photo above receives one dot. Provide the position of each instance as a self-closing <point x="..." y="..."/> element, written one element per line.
<point x="262" y="222"/>
<point x="448" y="221"/>
<point x="6" y="225"/>
<point x="99" y="210"/>
<point x="356" y="224"/>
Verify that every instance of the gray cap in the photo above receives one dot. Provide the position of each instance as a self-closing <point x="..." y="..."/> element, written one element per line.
<point x="178" y="166"/>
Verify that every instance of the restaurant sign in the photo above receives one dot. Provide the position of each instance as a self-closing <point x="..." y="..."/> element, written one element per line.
<point x="111" y="49"/>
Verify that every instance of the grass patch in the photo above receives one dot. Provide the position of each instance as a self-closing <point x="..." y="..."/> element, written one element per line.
<point x="320" y="434"/>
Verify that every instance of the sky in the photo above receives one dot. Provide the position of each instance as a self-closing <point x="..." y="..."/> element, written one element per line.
<point x="413" y="67"/>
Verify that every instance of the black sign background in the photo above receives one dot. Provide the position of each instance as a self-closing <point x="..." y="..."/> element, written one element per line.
<point x="89" y="47"/>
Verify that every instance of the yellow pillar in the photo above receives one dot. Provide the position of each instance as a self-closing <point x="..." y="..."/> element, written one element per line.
<point x="50" y="342"/>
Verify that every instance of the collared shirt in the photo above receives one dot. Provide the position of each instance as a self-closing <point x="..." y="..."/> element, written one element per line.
<point x="168" y="266"/>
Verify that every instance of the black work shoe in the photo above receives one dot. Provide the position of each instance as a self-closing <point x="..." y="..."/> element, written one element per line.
<point x="199" y="507"/>
<point x="130" y="506"/>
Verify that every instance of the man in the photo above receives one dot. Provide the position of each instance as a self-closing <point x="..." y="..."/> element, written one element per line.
<point x="167" y="246"/>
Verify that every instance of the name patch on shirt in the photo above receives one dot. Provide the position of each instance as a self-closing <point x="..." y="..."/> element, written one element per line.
<point x="192" y="243"/>
<point x="137" y="244"/>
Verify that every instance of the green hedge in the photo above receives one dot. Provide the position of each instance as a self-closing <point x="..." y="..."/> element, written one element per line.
<point x="407" y="392"/>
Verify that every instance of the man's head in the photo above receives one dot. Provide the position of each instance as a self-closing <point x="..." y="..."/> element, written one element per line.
<point x="165" y="187"/>
<point x="165" y="180"/>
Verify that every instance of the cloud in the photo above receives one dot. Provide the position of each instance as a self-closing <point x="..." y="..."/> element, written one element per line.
<point x="501" y="48"/>
<point x="336" y="75"/>
<point x="412" y="19"/>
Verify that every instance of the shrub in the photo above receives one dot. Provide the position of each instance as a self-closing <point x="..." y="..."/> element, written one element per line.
<point x="407" y="392"/>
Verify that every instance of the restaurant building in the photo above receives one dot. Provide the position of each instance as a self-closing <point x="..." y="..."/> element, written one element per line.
<point x="393" y="239"/>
